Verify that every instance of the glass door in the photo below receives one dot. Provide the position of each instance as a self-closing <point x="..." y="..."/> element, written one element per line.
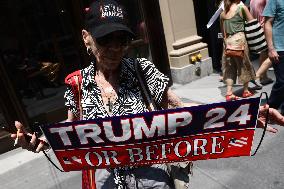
<point x="41" y="43"/>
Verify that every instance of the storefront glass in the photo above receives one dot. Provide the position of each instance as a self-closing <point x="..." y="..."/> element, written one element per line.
<point x="41" y="43"/>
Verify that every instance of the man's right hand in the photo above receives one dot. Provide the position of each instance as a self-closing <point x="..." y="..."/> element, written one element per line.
<point x="273" y="55"/>
<point x="27" y="140"/>
<point x="274" y="117"/>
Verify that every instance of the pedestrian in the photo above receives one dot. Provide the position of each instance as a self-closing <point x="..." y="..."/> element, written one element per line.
<point x="232" y="26"/>
<point x="274" y="33"/>
<point x="210" y="23"/>
<point x="256" y="9"/>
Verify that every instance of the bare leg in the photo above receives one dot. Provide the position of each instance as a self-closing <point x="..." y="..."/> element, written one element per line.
<point x="265" y="63"/>
<point x="229" y="95"/>
<point x="246" y="88"/>
<point x="261" y="74"/>
<point x="246" y="92"/>
<point x="229" y="83"/>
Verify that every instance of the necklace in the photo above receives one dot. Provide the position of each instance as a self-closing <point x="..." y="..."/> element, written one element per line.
<point x="108" y="93"/>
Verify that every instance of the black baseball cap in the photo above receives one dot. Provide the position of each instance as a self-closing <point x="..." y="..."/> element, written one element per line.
<point x="106" y="16"/>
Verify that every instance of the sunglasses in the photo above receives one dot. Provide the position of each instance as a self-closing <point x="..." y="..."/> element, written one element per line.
<point x="109" y="40"/>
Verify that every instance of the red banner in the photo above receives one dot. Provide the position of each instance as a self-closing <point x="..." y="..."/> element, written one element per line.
<point x="226" y="130"/>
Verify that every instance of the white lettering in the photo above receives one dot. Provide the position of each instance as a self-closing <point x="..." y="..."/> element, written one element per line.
<point x="216" y="144"/>
<point x="196" y="146"/>
<point x="241" y="115"/>
<point x="150" y="151"/>
<point x="62" y="131"/>
<point x="132" y="154"/>
<point x="112" y="156"/>
<point x="166" y="150"/>
<point x="218" y="114"/>
<point x="93" y="132"/>
<point x="99" y="158"/>
<point x="126" y="132"/>
<point x="111" y="10"/>
<point x="140" y="127"/>
<point x="188" y="148"/>
<point x="179" y="119"/>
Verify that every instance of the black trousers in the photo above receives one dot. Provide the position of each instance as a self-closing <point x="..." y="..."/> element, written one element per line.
<point x="276" y="99"/>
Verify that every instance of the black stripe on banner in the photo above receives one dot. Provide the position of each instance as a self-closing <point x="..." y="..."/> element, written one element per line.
<point x="255" y="37"/>
<point x="253" y="22"/>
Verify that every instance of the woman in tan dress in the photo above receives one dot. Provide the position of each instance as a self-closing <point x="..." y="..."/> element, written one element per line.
<point x="232" y="26"/>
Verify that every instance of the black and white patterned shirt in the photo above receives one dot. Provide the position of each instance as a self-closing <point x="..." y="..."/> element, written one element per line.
<point x="130" y="100"/>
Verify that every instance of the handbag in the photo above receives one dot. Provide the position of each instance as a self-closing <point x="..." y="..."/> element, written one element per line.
<point x="254" y="35"/>
<point x="178" y="171"/>
<point x="232" y="51"/>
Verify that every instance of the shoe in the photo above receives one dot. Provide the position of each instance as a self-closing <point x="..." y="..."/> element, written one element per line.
<point x="247" y="94"/>
<point x="257" y="84"/>
<point x="266" y="81"/>
<point x="231" y="97"/>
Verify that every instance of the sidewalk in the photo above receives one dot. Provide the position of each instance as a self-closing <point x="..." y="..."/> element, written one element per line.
<point x="264" y="171"/>
<point x="209" y="89"/>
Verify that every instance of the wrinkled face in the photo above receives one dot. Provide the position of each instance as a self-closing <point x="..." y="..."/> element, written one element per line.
<point x="110" y="49"/>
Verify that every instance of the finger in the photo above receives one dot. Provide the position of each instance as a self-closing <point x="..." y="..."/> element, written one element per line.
<point x="277" y="59"/>
<point x="271" y="129"/>
<point x="276" y="116"/>
<point x="273" y="56"/>
<point x="20" y="126"/>
<point x="14" y="136"/>
<point x="265" y="106"/>
<point x="277" y="56"/>
<point x="262" y="108"/>
<point x="260" y="124"/>
<point x="22" y="141"/>
<point x="32" y="143"/>
<point x="40" y="146"/>
<point x="44" y="141"/>
<point x="33" y="140"/>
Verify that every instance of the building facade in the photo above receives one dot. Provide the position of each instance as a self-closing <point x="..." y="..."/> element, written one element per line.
<point x="41" y="43"/>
